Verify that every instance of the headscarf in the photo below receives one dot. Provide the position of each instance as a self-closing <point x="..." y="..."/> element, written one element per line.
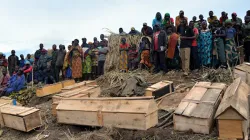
<point x="166" y="21"/>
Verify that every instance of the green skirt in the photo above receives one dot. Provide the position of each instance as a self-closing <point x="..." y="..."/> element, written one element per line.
<point x="87" y="65"/>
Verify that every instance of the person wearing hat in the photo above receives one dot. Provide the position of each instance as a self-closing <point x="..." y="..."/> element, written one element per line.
<point x="27" y="71"/>
<point x="211" y="18"/>
<point x="134" y="31"/>
<point x="15" y="84"/>
<point x="146" y="30"/>
<point x="13" y="61"/>
<point x="230" y="46"/>
<point x="180" y="18"/>
<point x="167" y="22"/>
<point x="246" y="33"/>
<point x="236" y="20"/>
<point x="158" y="48"/>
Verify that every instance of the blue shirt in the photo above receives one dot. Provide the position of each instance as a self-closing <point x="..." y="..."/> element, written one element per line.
<point x="230" y="33"/>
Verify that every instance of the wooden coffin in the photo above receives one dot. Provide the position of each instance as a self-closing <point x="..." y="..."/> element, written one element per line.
<point x="20" y="118"/>
<point x="196" y="111"/>
<point x="160" y="89"/>
<point x="49" y="89"/>
<point x="67" y="83"/>
<point x="233" y="112"/>
<point x="243" y="71"/>
<point x="7" y="100"/>
<point x="87" y="91"/>
<point x="79" y="85"/>
<point x="138" y="113"/>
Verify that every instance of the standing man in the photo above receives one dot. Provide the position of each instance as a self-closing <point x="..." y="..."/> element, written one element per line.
<point x="180" y="18"/>
<point x="235" y="20"/>
<point x="22" y="61"/>
<point x="13" y="62"/>
<point x="211" y="18"/>
<point x="146" y="30"/>
<point x="84" y="43"/>
<point x="28" y="58"/>
<point x="101" y="58"/>
<point x="196" y="23"/>
<point x="187" y="36"/>
<point x="159" y="44"/>
<point x="201" y="17"/>
<point x="194" y="61"/>
<point x="134" y="31"/>
<point x="59" y="62"/>
<point x="53" y="61"/>
<point x="223" y="18"/>
<point x="38" y="52"/>
<point x="104" y="41"/>
<point x="246" y="31"/>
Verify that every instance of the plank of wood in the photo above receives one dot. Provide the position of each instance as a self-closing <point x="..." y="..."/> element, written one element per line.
<point x="195" y="128"/>
<point x="189" y="109"/>
<point x="211" y="96"/>
<point x="68" y="83"/>
<point x="116" y="98"/>
<point x="181" y="107"/>
<point x="210" y="87"/>
<point x="49" y="89"/>
<point x="17" y="110"/>
<point x="243" y="67"/>
<point x="152" y="120"/>
<point x="14" y="122"/>
<point x="191" y="120"/>
<point x="230" y="114"/>
<point x="197" y="93"/>
<point x="241" y="74"/>
<point x="32" y="121"/>
<point x="79" y="85"/>
<point x="230" y="129"/>
<point x="203" y="110"/>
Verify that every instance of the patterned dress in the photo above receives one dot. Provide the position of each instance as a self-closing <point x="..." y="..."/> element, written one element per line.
<point x="87" y="64"/>
<point x="123" y="65"/>
<point x="205" y="47"/>
<point x="76" y="61"/>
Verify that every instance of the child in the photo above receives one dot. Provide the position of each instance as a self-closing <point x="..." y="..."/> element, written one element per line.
<point x="123" y="55"/>
<point x="132" y="56"/>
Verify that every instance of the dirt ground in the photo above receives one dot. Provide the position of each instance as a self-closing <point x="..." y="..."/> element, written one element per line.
<point x="51" y="130"/>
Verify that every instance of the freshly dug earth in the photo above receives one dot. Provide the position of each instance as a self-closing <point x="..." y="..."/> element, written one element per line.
<point x="51" y="130"/>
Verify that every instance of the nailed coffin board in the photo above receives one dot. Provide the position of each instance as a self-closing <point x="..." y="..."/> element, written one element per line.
<point x="126" y="112"/>
<point x="21" y="118"/>
<point x="87" y="91"/>
<point x="79" y="85"/>
<point x="66" y="83"/>
<point x="234" y="108"/>
<point x="243" y="71"/>
<point x="49" y="89"/>
<point x="4" y="100"/>
<point x="159" y="89"/>
<point x="197" y="109"/>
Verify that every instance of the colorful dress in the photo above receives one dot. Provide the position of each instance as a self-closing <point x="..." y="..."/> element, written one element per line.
<point x="173" y="57"/>
<point x="87" y="63"/>
<point x="124" y="57"/>
<point x="230" y="47"/>
<point x="75" y="59"/>
<point x="205" y="47"/>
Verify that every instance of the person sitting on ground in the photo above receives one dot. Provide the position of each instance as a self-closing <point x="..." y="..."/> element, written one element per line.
<point x="121" y="32"/>
<point x="180" y="18"/>
<point x="49" y="79"/>
<point x="123" y="65"/>
<point x="132" y="58"/>
<point x="21" y="61"/>
<point x="223" y="18"/>
<point x="4" y="80"/>
<point x="134" y="31"/>
<point x="103" y="40"/>
<point x="146" y="30"/>
<point x="15" y="84"/>
<point x="144" y="53"/>
<point x="28" y="58"/>
<point x="157" y="20"/>
<point x="211" y="18"/>
<point x="102" y="51"/>
<point x="27" y="71"/>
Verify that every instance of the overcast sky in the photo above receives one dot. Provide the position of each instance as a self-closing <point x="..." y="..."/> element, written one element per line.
<point x="27" y="23"/>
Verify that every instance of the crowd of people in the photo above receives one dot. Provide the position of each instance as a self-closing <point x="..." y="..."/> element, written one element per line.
<point x="168" y="44"/>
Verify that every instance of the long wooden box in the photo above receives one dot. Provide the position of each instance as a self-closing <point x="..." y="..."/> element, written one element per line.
<point x="138" y="113"/>
<point x="243" y="71"/>
<point x="49" y="89"/>
<point x="78" y="85"/>
<point x="196" y="111"/>
<point x="159" y="89"/>
<point x="66" y="83"/>
<point x="87" y="91"/>
<point x="20" y="118"/>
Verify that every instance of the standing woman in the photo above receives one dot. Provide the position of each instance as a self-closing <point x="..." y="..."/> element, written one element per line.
<point x="87" y="63"/>
<point x="123" y="66"/>
<point x="230" y="46"/>
<point x="205" y="45"/>
<point x="75" y="59"/>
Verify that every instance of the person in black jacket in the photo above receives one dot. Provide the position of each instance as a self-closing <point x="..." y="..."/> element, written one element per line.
<point x="146" y="30"/>
<point x="158" y="49"/>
